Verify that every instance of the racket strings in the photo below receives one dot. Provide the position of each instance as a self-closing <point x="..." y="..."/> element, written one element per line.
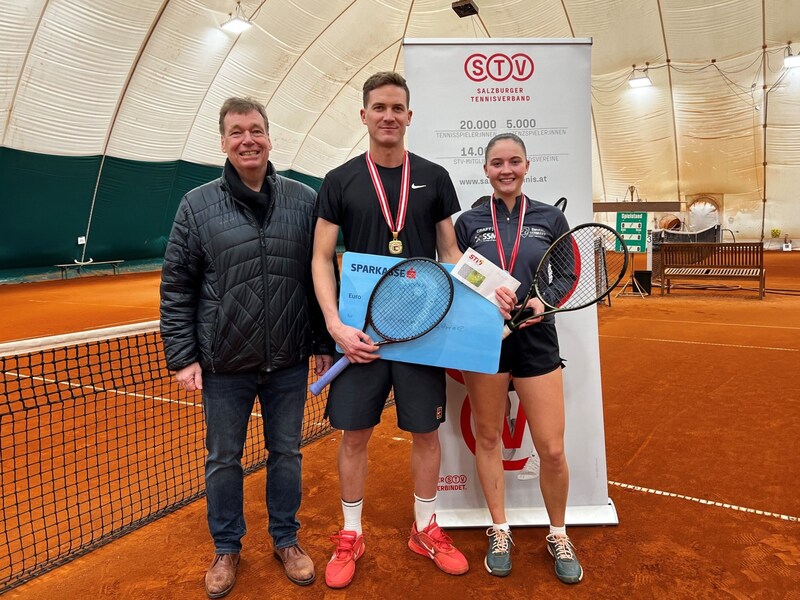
<point x="410" y="301"/>
<point x="581" y="268"/>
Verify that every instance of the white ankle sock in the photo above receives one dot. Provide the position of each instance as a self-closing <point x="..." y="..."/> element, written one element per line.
<point x="502" y="526"/>
<point x="424" y="509"/>
<point x="352" y="515"/>
<point x="558" y="530"/>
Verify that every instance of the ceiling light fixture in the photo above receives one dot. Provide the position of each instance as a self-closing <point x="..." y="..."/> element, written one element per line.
<point x="789" y="61"/>
<point x="238" y="22"/>
<point x="639" y="80"/>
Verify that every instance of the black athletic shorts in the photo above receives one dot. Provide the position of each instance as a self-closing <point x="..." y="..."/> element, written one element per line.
<point x="531" y="351"/>
<point x="357" y="396"/>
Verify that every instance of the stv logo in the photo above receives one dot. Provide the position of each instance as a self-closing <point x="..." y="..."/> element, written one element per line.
<point x="499" y="67"/>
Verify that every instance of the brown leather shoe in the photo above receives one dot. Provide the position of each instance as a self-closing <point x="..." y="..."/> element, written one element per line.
<point x="221" y="575"/>
<point x="298" y="565"/>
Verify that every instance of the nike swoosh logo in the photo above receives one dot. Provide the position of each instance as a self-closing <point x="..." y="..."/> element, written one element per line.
<point x="430" y="550"/>
<point x="414" y="186"/>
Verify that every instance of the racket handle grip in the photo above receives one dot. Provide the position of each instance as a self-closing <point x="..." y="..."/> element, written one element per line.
<point x="506" y="331"/>
<point x="331" y="374"/>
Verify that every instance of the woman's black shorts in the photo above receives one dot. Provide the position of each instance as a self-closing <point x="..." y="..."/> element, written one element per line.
<point x="531" y="351"/>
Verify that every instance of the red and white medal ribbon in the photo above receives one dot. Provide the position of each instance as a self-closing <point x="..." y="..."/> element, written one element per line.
<point x="395" y="246"/>
<point x="523" y="207"/>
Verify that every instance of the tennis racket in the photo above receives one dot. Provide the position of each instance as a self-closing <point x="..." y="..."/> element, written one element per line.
<point x="579" y="269"/>
<point x="409" y="300"/>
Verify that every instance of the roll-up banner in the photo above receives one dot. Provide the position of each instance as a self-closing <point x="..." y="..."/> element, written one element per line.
<point x="464" y="92"/>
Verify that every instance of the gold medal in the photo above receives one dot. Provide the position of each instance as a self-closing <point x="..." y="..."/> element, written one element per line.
<point x="395" y="245"/>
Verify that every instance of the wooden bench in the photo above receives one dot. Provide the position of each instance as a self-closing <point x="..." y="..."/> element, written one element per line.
<point x="79" y="265"/>
<point x="721" y="260"/>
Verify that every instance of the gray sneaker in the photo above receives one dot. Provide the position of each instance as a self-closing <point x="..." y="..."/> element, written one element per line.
<point x="531" y="468"/>
<point x="498" y="556"/>
<point x="568" y="567"/>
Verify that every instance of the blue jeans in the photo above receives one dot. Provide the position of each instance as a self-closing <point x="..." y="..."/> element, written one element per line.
<point x="227" y="403"/>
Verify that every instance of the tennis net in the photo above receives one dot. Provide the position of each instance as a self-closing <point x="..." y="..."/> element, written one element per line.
<point x="97" y="440"/>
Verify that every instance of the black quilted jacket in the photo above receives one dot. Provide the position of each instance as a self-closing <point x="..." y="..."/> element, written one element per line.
<point x="236" y="296"/>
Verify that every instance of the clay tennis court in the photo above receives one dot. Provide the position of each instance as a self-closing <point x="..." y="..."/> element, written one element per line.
<point x="702" y="420"/>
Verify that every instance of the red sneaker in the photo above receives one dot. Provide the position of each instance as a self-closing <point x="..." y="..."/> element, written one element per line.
<point x="437" y="545"/>
<point x="341" y="567"/>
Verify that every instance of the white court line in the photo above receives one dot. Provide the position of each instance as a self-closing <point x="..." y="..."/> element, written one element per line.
<point x="89" y="329"/>
<point x="628" y="337"/>
<point x="110" y="391"/>
<point x="102" y="305"/>
<point x="99" y="389"/>
<point x="754" y="511"/>
<point x="671" y="322"/>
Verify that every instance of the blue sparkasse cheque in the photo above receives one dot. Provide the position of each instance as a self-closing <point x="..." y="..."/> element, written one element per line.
<point x="468" y="338"/>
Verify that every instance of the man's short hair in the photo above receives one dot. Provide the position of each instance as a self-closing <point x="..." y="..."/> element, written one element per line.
<point x="385" y="78"/>
<point x="241" y="106"/>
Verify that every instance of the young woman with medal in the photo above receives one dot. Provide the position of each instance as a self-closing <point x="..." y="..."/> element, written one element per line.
<point x="514" y="231"/>
<point x="394" y="203"/>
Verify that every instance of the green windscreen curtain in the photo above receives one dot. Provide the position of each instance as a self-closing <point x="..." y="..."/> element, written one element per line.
<point x="136" y="203"/>
<point x="46" y="202"/>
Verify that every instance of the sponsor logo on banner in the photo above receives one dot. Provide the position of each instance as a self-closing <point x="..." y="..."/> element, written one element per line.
<point x="499" y="67"/>
<point x="378" y="270"/>
<point x="452" y="483"/>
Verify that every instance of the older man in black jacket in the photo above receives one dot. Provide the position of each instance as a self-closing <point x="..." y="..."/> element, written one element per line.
<point x="239" y="319"/>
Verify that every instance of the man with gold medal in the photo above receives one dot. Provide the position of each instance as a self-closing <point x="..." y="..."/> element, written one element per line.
<point x="388" y="202"/>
